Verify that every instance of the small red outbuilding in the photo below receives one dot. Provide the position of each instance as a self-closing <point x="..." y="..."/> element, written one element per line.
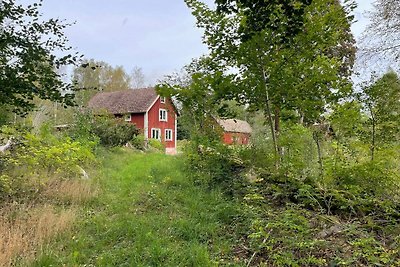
<point x="155" y="115"/>
<point x="235" y="131"/>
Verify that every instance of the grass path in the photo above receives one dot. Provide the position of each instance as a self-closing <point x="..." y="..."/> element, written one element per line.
<point x="148" y="214"/>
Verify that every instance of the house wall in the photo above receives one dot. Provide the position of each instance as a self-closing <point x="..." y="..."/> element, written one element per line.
<point x="236" y="138"/>
<point x="154" y="121"/>
<point x="138" y="119"/>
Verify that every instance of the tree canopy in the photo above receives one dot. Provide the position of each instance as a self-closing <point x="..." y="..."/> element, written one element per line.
<point x="31" y="52"/>
<point x="95" y="76"/>
<point x="274" y="56"/>
<point x="382" y="37"/>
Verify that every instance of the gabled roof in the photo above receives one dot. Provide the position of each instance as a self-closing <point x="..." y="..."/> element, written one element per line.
<point x="234" y="126"/>
<point x="127" y="101"/>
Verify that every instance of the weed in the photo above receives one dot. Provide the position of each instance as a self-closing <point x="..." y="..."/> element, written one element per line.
<point x="25" y="228"/>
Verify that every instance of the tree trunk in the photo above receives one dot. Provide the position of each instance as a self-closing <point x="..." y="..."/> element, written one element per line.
<point x="373" y="141"/>
<point x="271" y="121"/>
<point x="277" y="119"/>
<point x="320" y="161"/>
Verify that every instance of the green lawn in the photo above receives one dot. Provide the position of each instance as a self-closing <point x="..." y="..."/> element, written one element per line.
<point x="148" y="214"/>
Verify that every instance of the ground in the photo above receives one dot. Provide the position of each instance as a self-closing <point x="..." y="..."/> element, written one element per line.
<point x="147" y="214"/>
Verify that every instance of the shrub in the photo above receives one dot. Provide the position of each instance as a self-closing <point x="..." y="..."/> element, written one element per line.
<point x="113" y="132"/>
<point x="211" y="163"/>
<point x="156" y="144"/>
<point x="37" y="158"/>
<point x="106" y="130"/>
<point x="138" y="142"/>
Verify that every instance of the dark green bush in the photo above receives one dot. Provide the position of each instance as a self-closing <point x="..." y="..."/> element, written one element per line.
<point x="113" y="132"/>
<point x="106" y="130"/>
<point x="213" y="164"/>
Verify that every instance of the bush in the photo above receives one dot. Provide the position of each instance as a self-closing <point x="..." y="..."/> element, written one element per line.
<point x="213" y="164"/>
<point x="138" y="142"/>
<point x="156" y="144"/>
<point x="106" y="130"/>
<point x="37" y="158"/>
<point x="113" y="132"/>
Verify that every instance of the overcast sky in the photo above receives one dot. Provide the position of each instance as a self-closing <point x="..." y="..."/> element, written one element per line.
<point x="157" y="35"/>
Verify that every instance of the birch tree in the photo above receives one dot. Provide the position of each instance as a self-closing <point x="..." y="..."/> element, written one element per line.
<point x="294" y="55"/>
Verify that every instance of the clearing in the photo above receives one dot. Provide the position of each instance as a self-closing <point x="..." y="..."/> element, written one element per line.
<point x="147" y="214"/>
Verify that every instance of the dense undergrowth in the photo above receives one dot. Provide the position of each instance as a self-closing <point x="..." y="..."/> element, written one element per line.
<point x="41" y="190"/>
<point x="348" y="215"/>
<point x="213" y="205"/>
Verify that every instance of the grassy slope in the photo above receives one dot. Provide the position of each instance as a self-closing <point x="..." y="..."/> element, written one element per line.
<point x="148" y="214"/>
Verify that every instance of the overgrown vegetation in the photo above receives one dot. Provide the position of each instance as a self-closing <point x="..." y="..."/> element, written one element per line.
<point x="320" y="181"/>
<point x="149" y="214"/>
<point x="41" y="182"/>
<point x="319" y="184"/>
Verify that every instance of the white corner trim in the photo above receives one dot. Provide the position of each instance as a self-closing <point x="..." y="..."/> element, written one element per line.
<point x="176" y="129"/>
<point x="146" y="125"/>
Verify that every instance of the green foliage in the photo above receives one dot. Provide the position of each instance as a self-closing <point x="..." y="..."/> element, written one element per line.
<point x="381" y="100"/>
<point x="277" y="49"/>
<point x="347" y="120"/>
<point x="93" y="76"/>
<point x="138" y="142"/>
<point x="211" y="164"/>
<point x="292" y="236"/>
<point x="36" y="159"/>
<point x="287" y="238"/>
<point x="28" y="57"/>
<point x="157" y="144"/>
<point x="51" y="155"/>
<point x="113" y="132"/>
<point x="150" y="214"/>
<point x="281" y="16"/>
<point x="102" y="129"/>
<point x="5" y="186"/>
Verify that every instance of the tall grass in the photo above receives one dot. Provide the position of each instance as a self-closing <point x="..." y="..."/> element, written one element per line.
<point x="26" y="228"/>
<point x="23" y="229"/>
<point x="148" y="214"/>
<point x="73" y="191"/>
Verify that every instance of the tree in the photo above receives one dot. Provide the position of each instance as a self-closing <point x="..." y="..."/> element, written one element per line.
<point x="381" y="100"/>
<point x="116" y="79"/>
<point x="88" y="80"/>
<point x="382" y="36"/>
<point x="279" y="49"/>
<point x="98" y="76"/>
<point x="137" y="78"/>
<point x="28" y="48"/>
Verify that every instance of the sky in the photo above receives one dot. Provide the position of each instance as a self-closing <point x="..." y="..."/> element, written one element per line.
<point x="157" y="35"/>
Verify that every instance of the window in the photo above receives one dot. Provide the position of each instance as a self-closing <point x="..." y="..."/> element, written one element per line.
<point x="162" y="99"/>
<point x="163" y="115"/>
<point x="156" y="133"/>
<point x="168" y="135"/>
<point x="127" y="117"/>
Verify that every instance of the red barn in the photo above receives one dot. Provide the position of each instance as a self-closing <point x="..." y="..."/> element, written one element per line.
<point x="155" y="115"/>
<point x="235" y="132"/>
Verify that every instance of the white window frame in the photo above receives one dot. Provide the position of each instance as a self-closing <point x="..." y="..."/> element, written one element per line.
<point x="162" y="111"/>
<point x="168" y="137"/>
<point x="162" y="99"/>
<point x="128" y="117"/>
<point x="153" y="130"/>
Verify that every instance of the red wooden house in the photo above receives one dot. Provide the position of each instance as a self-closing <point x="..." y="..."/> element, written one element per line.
<point x="235" y="132"/>
<point x="155" y="115"/>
